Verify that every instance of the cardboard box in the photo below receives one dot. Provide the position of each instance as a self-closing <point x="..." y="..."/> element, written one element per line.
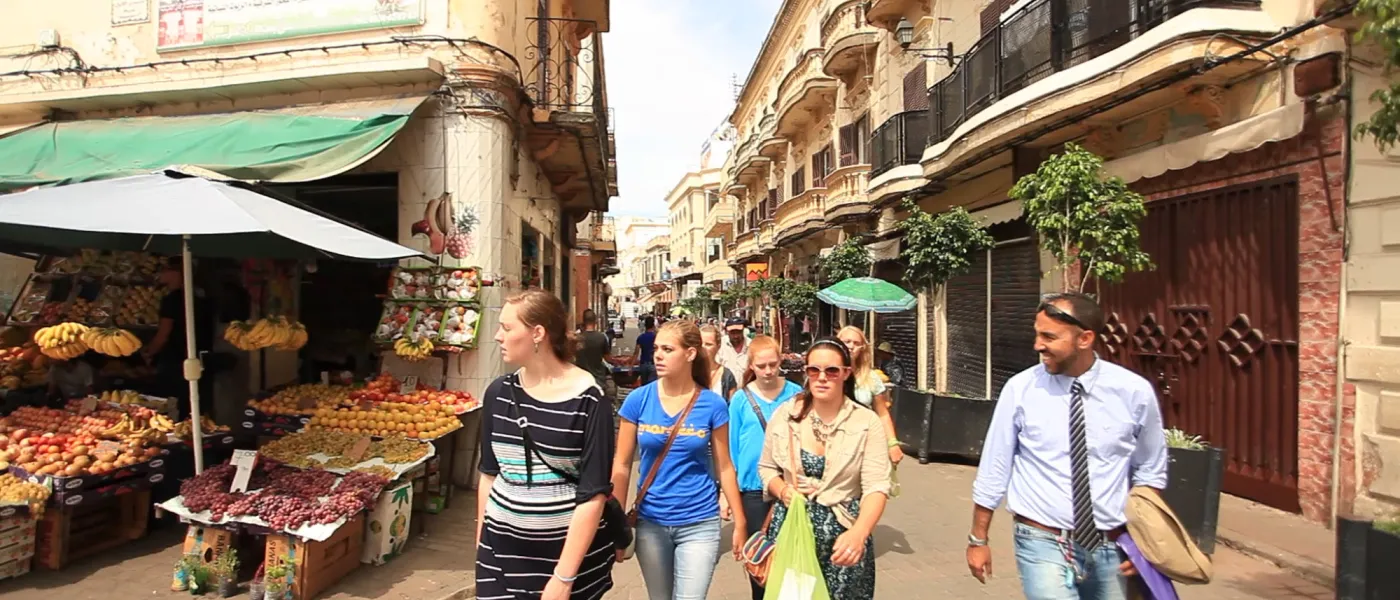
<point x="69" y="533"/>
<point x="208" y="543"/>
<point x="16" y="529"/>
<point x="318" y="565"/>
<point x="388" y="529"/>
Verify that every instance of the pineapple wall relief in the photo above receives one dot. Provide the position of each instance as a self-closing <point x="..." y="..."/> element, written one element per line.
<point x="450" y="227"/>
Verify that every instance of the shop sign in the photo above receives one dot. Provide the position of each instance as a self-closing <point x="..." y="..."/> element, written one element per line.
<point x="755" y="271"/>
<point x="243" y="461"/>
<point x="204" y="23"/>
<point x="130" y="12"/>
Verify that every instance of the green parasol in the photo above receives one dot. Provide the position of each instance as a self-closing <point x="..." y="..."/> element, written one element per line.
<point x="868" y="294"/>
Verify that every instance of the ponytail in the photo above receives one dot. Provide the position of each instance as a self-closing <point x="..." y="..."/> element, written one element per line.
<point x="689" y="334"/>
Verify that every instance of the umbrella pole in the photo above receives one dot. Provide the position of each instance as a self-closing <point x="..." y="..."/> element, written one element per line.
<point x="192" y="366"/>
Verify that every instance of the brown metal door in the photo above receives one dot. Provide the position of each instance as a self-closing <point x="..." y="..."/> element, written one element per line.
<point x="1215" y="328"/>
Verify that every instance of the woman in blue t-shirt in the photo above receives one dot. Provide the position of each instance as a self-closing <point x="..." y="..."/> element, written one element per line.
<point x="763" y="391"/>
<point x="678" y="525"/>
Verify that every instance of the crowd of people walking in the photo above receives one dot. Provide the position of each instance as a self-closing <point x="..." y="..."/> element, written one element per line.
<point x="721" y="435"/>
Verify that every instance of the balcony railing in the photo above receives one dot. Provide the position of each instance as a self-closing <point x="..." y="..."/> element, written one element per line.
<point x="898" y="141"/>
<point x="1042" y="38"/>
<point x="565" y="73"/>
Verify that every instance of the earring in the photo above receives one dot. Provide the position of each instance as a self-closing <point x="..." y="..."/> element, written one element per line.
<point x="537" y="347"/>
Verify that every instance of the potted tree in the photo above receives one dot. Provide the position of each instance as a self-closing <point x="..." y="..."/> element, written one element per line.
<point x="938" y="248"/>
<point x="225" y="571"/>
<point x="275" y="582"/>
<point x="1195" y="472"/>
<point x="846" y="260"/>
<point x="1366" y="552"/>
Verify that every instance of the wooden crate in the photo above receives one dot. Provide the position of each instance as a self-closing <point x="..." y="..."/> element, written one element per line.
<point x="70" y="533"/>
<point x="318" y="565"/>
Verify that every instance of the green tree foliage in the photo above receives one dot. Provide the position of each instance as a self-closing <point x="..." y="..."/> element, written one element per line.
<point x="1083" y="217"/>
<point x="732" y="297"/>
<point x="939" y="248"/>
<point x="1381" y="26"/>
<point x="846" y="260"/>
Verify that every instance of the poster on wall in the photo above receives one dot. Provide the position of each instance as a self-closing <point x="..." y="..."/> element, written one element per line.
<point x="130" y="12"/>
<point x="755" y="271"/>
<point x="204" y="23"/>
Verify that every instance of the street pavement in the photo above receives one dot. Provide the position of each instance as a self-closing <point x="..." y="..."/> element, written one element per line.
<point x="921" y="540"/>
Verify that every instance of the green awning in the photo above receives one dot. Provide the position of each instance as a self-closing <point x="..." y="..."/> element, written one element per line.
<point x="284" y="145"/>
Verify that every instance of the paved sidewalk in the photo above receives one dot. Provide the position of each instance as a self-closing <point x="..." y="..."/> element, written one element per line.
<point x="920" y="546"/>
<point x="1302" y="547"/>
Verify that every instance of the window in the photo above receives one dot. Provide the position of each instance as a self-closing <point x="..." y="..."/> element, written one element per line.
<point x="854" y="140"/>
<point x="799" y="182"/>
<point x="821" y="166"/>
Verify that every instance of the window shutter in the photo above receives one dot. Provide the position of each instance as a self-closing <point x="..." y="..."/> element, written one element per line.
<point x="848" y="145"/>
<point x="991" y="15"/>
<point x="799" y="183"/>
<point x="862" y="126"/>
<point x="916" y="88"/>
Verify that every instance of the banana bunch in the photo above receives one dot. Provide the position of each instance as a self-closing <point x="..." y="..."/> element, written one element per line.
<point x="268" y="332"/>
<point x="123" y="428"/>
<point x="162" y="423"/>
<point x="63" y="341"/>
<point x="145" y="437"/>
<point x="413" y="350"/>
<point x="184" y="430"/>
<point x="111" y="341"/>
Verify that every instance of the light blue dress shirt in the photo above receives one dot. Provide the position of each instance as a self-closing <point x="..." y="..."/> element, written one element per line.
<point x="1025" y="458"/>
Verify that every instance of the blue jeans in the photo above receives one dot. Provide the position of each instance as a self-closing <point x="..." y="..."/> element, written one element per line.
<point x="1046" y="573"/>
<point x="678" y="562"/>
<point x="647" y="372"/>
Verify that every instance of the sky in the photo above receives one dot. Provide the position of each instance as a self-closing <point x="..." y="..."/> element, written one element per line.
<point x="670" y="71"/>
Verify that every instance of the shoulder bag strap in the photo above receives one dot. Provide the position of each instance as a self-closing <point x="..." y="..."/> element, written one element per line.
<point x="671" y="439"/>
<point x="795" y="443"/>
<point x="751" y="392"/>
<point x="530" y="448"/>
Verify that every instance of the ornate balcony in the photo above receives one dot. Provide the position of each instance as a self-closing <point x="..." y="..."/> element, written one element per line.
<point x="765" y="236"/>
<point x="805" y="94"/>
<point x="847" y="38"/>
<point x="718" y="271"/>
<point x="900" y="140"/>
<point x="846" y="197"/>
<point x="885" y="14"/>
<point x="746" y="247"/>
<point x="719" y="220"/>
<point x="770" y="144"/>
<point x="800" y="216"/>
<point x="567" y="90"/>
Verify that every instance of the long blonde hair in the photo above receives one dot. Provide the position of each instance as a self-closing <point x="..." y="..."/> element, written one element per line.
<point x="862" y="364"/>
<point x="689" y="334"/>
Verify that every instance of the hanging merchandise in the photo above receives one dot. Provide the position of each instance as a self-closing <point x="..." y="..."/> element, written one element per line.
<point x="276" y="332"/>
<point x="431" y="308"/>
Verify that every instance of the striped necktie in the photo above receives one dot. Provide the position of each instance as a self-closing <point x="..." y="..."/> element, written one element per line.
<point x="1086" y="533"/>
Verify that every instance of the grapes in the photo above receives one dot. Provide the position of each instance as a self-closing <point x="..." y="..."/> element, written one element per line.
<point x="283" y="497"/>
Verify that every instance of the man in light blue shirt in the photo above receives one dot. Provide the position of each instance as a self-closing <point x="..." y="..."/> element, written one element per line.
<point x="1067" y="439"/>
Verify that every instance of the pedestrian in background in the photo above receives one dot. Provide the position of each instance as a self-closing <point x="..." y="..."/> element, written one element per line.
<point x="870" y="391"/>
<point x="680" y="427"/>
<point x="722" y="381"/>
<point x="1067" y="438"/>
<point x="750" y="410"/>
<point x="644" y="351"/>
<point x="735" y="353"/>
<point x="546" y="456"/>
<point x="593" y="346"/>
<point x="845" y="470"/>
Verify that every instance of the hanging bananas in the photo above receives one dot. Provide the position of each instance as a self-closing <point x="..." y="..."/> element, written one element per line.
<point x="111" y="341"/>
<point x="63" y="341"/>
<point x="413" y="351"/>
<point x="269" y="332"/>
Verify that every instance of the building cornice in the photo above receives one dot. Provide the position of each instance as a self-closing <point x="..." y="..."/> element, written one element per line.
<point x="781" y="21"/>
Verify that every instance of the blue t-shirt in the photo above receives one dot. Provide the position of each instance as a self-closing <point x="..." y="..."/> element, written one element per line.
<point x="746" y="434"/>
<point x="683" y="492"/>
<point x="647" y="342"/>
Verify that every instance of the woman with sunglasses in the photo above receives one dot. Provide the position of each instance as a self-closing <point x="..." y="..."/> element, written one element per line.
<point x="750" y="411"/>
<point x="680" y="426"/>
<point x="870" y="391"/>
<point x="841" y="452"/>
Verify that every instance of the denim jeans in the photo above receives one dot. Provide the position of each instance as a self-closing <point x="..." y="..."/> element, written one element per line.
<point x="1046" y="573"/>
<point x="678" y="562"/>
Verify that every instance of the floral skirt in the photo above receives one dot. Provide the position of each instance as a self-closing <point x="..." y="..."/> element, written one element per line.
<point x="845" y="583"/>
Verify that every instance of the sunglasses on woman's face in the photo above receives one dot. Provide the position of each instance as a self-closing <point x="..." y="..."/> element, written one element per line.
<point x="814" y="371"/>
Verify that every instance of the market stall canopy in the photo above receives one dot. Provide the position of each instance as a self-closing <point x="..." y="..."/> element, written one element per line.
<point x="284" y="145"/>
<point x="154" y="212"/>
<point x="868" y="294"/>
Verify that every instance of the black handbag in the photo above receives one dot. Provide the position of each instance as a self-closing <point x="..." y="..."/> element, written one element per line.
<point x="614" y="518"/>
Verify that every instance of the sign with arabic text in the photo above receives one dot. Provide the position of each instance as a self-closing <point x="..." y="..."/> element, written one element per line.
<point x="130" y="12"/>
<point x="203" y="23"/>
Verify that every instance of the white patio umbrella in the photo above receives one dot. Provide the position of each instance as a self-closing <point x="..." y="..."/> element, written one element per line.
<point x="169" y="213"/>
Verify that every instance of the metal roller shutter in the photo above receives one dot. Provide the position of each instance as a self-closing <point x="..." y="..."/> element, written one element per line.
<point x="967" y="330"/>
<point x="901" y="330"/>
<point x="1015" y="296"/>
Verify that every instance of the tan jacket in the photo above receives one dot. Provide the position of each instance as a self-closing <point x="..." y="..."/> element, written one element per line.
<point x="857" y="457"/>
<point x="1163" y="540"/>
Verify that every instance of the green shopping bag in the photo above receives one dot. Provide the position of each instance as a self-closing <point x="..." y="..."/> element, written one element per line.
<point x="795" y="573"/>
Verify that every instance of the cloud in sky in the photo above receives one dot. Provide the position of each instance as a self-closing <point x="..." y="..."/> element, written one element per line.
<point x="669" y="70"/>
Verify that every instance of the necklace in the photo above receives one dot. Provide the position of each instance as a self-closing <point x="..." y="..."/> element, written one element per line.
<point x="820" y="429"/>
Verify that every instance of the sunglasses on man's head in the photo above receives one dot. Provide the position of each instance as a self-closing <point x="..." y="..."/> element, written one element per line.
<point x="1059" y="314"/>
<point x="814" y="371"/>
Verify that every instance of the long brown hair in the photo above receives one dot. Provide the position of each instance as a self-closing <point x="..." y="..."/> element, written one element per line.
<point x="758" y="344"/>
<point x="689" y="335"/>
<point x="804" y="399"/>
<point x="863" y="364"/>
<point x="538" y="308"/>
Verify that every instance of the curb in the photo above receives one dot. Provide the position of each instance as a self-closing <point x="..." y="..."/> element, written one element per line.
<point x="466" y="593"/>
<point x="1302" y="566"/>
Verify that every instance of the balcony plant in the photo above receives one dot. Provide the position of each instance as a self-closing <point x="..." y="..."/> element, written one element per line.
<point x="938" y="248"/>
<point x="1366" y="552"/>
<point x="1195" y="473"/>
<point x="1087" y="221"/>
<point x="846" y="260"/>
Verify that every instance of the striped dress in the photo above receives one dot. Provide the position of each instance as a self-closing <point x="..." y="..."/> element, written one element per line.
<point x="529" y="508"/>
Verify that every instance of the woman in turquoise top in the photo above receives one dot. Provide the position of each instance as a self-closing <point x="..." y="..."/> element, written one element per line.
<point x="763" y="391"/>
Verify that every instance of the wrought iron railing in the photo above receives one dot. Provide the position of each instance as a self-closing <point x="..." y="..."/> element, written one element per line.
<point x="565" y="67"/>
<point x="898" y="141"/>
<point x="1039" y="39"/>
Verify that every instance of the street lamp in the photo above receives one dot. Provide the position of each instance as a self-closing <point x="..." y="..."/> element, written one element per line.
<point x="904" y="34"/>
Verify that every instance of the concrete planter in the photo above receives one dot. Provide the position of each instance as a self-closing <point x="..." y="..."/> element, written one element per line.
<point x="1193" y="491"/>
<point x="1366" y="561"/>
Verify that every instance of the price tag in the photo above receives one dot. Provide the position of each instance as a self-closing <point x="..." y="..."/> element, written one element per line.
<point x="409" y="385"/>
<point x="108" y="446"/>
<point x="243" y="460"/>
<point x="357" y="451"/>
<point x="89" y="404"/>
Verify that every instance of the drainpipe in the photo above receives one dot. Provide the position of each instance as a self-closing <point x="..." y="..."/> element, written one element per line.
<point x="1340" y="390"/>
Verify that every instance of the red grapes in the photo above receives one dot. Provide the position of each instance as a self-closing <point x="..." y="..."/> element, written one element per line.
<point x="283" y="497"/>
